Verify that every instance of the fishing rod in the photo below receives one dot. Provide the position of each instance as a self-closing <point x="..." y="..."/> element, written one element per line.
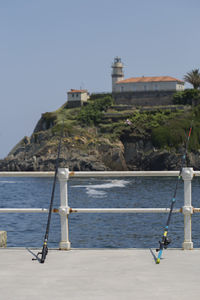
<point x="45" y="247"/>
<point x="166" y="240"/>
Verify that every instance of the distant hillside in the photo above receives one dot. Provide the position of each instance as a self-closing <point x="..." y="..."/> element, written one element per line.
<point x="103" y="136"/>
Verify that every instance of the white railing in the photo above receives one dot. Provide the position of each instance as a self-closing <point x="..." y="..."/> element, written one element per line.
<point x="64" y="210"/>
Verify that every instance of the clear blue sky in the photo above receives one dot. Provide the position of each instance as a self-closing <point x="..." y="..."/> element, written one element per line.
<point x="50" y="46"/>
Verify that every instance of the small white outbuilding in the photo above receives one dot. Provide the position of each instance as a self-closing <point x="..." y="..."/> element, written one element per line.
<point x="77" y="97"/>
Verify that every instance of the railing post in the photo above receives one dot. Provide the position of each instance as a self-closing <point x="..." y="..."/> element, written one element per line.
<point x="187" y="209"/>
<point x="63" y="175"/>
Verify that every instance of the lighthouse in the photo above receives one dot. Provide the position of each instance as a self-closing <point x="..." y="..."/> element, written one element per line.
<point x="117" y="72"/>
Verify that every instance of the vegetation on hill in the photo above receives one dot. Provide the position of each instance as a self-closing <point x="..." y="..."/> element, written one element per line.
<point x="166" y="128"/>
<point x="187" y="97"/>
<point x="92" y="113"/>
<point x="102" y="136"/>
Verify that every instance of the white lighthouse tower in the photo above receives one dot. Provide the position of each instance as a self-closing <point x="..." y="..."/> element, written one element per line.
<point x="117" y="72"/>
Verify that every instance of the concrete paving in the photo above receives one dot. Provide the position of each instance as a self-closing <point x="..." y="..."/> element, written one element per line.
<point x="95" y="274"/>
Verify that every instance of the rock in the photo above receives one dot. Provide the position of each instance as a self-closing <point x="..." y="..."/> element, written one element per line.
<point x="96" y="153"/>
<point x="3" y="239"/>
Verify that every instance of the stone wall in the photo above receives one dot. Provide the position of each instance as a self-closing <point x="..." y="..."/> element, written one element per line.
<point x="3" y="239"/>
<point x="73" y="104"/>
<point x="144" y="98"/>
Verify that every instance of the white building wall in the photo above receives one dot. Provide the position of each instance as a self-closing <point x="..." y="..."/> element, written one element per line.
<point x="179" y="87"/>
<point x="74" y="97"/>
<point x="148" y="86"/>
<point x="77" y="96"/>
<point x="84" y="97"/>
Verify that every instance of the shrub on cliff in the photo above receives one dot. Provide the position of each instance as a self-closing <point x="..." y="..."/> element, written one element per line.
<point x="92" y="113"/>
<point x="189" y="96"/>
<point x="167" y="136"/>
<point x="96" y="96"/>
<point x="173" y="133"/>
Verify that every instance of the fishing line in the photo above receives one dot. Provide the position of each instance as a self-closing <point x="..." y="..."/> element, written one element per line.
<point x="166" y="240"/>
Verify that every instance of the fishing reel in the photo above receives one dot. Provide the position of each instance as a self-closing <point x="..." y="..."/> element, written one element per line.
<point x="37" y="256"/>
<point x="43" y="255"/>
<point x="164" y="244"/>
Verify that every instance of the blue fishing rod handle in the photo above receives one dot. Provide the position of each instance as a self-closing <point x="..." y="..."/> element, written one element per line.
<point x="159" y="256"/>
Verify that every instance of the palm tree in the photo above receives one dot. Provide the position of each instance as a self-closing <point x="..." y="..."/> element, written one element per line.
<point x="193" y="78"/>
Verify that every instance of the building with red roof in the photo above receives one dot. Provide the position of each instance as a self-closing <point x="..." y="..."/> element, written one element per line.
<point x="77" y="98"/>
<point x="143" y="90"/>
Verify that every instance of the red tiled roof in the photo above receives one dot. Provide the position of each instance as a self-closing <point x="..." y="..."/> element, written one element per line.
<point x="77" y="91"/>
<point x="150" y="79"/>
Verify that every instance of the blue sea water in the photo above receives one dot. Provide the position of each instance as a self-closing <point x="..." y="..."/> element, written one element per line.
<point x="97" y="230"/>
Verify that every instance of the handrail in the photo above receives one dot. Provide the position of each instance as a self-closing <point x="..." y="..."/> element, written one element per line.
<point x="94" y="173"/>
<point x="92" y="210"/>
<point x="122" y="210"/>
<point x="25" y="210"/>
<point x="64" y="210"/>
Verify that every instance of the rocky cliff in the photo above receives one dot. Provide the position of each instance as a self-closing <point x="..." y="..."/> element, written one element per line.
<point x="92" y="148"/>
<point x="84" y="153"/>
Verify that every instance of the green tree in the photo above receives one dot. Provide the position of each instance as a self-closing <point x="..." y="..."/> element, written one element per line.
<point x="189" y="96"/>
<point x="193" y="77"/>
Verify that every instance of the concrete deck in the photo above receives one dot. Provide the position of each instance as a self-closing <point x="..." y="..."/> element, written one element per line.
<point x="100" y="274"/>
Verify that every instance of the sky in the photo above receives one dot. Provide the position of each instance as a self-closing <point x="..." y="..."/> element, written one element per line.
<point x="48" y="47"/>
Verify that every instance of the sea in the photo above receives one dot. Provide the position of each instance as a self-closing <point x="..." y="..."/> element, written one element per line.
<point x="98" y="230"/>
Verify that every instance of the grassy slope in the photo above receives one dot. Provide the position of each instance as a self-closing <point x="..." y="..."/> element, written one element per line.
<point x="166" y="128"/>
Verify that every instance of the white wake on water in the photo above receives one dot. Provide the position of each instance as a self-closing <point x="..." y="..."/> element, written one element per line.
<point x="98" y="190"/>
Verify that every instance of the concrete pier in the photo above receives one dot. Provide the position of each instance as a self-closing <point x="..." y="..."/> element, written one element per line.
<point x="106" y="274"/>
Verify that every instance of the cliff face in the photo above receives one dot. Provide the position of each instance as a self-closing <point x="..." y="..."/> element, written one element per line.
<point x="87" y="151"/>
<point x="91" y="152"/>
<point x="77" y="154"/>
<point x="112" y="144"/>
